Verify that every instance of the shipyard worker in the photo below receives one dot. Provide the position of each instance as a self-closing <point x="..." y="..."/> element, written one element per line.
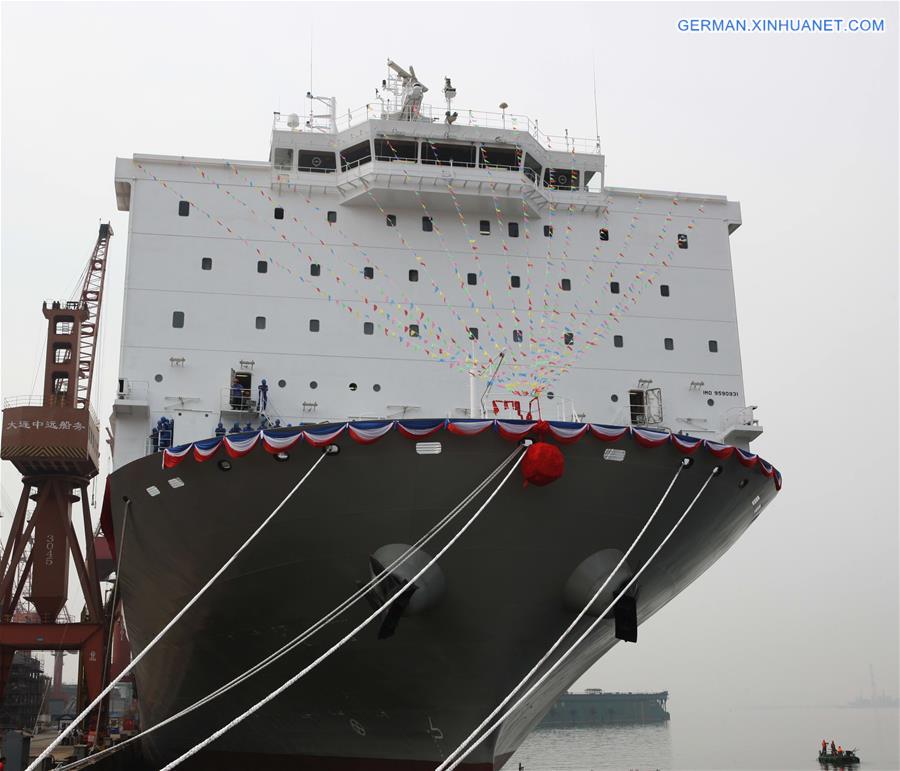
<point x="235" y="429"/>
<point x="154" y="439"/>
<point x="277" y="423"/>
<point x="248" y="427"/>
<point x="840" y="750"/>
<point x="263" y="394"/>
<point x="220" y="430"/>
<point x="833" y="749"/>
<point x="237" y="395"/>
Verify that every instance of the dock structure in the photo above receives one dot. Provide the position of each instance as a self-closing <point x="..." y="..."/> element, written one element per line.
<point x="594" y="707"/>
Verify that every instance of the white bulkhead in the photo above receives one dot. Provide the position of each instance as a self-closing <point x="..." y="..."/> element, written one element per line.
<point x="352" y="271"/>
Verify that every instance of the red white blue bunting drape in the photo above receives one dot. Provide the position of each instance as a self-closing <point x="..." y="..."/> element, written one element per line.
<point x="368" y="432"/>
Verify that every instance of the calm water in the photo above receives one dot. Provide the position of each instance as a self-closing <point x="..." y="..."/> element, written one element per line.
<point x="740" y="738"/>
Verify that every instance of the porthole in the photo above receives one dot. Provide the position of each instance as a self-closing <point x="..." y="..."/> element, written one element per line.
<point x="353" y="386"/>
<point x="742" y="484"/>
<point x="376" y="387"/>
<point x="281" y="457"/>
<point x="282" y="383"/>
<point x="550" y="394"/>
<point x="710" y="402"/>
<point x="158" y="378"/>
<point x="313" y="384"/>
<point x="614" y="398"/>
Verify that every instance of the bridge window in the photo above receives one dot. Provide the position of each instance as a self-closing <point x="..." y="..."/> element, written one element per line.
<point x="562" y="179"/>
<point x="604" y="234"/>
<point x="484" y="227"/>
<point x="548" y="231"/>
<point x="62" y="353"/>
<point x="206" y="263"/>
<point x="614" y="287"/>
<point x="368" y="328"/>
<point x="713" y="346"/>
<point x="618" y="341"/>
<point x="313" y="325"/>
<point x="65" y="325"/>
<point x="566" y="285"/>
<point x="531" y="169"/>
<point x="664" y="290"/>
<point x="414" y="275"/>
<point x="517" y="335"/>
<point x="473" y="333"/>
<point x="682" y="241"/>
<point x="386" y="150"/>
<point x="501" y="157"/>
<point x="184" y="208"/>
<point x="442" y="154"/>
<point x="279" y="213"/>
<point x="513" y="229"/>
<point x="262" y="266"/>
<point x="427" y="224"/>
<point x="390" y="220"/>
<point x="331" y="217"/>
<point x="283" y="158"/>
<point x="413" y="330"/>
<point x="178" y="319"/>
<point x="669" y="344"/>
<point x="260" y="322"/>
<point x="515" y="281"/>
<point x="356" y="155"/>
<point x="317" y="161"/>
<point x="368" y="272"/>
<point x="471" y="279"/>
<point x="315" y="269"/>
<point x="569" y="338"/>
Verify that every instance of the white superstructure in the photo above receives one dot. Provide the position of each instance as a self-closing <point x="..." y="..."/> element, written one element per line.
<point x="403" y="262"/>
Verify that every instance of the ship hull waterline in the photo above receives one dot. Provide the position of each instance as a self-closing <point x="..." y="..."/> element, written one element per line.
<point x="406" y="701"/>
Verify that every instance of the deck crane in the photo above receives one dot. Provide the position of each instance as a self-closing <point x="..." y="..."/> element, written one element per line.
<point x="53" y="441"/>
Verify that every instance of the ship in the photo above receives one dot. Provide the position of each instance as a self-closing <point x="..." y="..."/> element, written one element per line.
<point x="421" y="293"/>
<point x="595" y="707"/>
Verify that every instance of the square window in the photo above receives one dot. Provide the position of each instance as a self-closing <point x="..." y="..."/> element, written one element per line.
<point x="178" y="319"/>
<point x="473" y="333"/>
<point x="368" y="328"/>
<point x="413" y="330"/>
<point x="471" y="279"/>
<point x="414" y="275"/>
<point x="618" y="341"/>
<point x="614" y="287"/>
<point x="682" y="241"/>
<point x="513" y="229"/>
<point x="566" y="285"/>
<point x="206" y="263"/>
<point x="368" y="272"/>
<point x="713" y="346"/>
<point x="484" y="227"/>
<point x="313" y="325"/>
<point x="262" y="266"/>
<point x="515" y="281"/>
<point x="664" y="290"/>
<point x="548" y="231"/>
<point x="390" y="220"/>
<point x="332" y="217"/>
<point x="184" y="208"/>
<point x="669" y="343"/>
<point x="517" y="335"/>
<point x="260" y="322"/>
<point x="427" y="224"/>
<point x="315" y="269"/>
<point x="279" y="213"/>
<point x="569" y="338"/>
<point x="604" y="234"/>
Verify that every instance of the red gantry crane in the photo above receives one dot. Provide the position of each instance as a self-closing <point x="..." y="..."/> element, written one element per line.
<point x="53" y="441"/>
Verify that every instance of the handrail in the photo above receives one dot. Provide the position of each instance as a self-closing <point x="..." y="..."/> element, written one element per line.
<point x="37" y="400"/>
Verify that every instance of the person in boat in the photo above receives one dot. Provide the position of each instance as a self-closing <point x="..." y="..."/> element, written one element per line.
<point x="833" y="748"/>
<point x="840" y="750"/>
<point x="824" y="746"/>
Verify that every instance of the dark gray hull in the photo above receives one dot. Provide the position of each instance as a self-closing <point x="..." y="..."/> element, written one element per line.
<point x="404" y="702"/>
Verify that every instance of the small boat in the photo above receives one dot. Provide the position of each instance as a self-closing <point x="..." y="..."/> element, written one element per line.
<point x="845" y="758"/>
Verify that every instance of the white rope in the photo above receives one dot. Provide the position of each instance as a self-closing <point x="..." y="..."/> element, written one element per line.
<point x="62" y="735"/>
<point x="571" y="626"/>
<point x="474" y="739"/>
<point x="310" y="631"/>
<point x="349" y="636"/>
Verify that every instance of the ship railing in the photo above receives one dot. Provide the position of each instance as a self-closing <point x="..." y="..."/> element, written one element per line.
<point x="738" y="416"/>
<point x="231" y="401"/>
<point x="428" y="113"/>
<point x="37" y="400"/>
<point x="133" y="390"/>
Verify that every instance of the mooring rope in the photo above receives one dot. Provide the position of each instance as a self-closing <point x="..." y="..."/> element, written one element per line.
<point x="162" y="632"/>
<point x="559" y="640"/>
<point x="478" y="735"/>
<point x="310" y="631"/>
<point x="349" y="636"/>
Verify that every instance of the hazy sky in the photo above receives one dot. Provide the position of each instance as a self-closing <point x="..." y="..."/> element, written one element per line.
<point x="800" y="128"/>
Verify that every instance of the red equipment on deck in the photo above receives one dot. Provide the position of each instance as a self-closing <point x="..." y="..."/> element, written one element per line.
<point x="53" y="441"/>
